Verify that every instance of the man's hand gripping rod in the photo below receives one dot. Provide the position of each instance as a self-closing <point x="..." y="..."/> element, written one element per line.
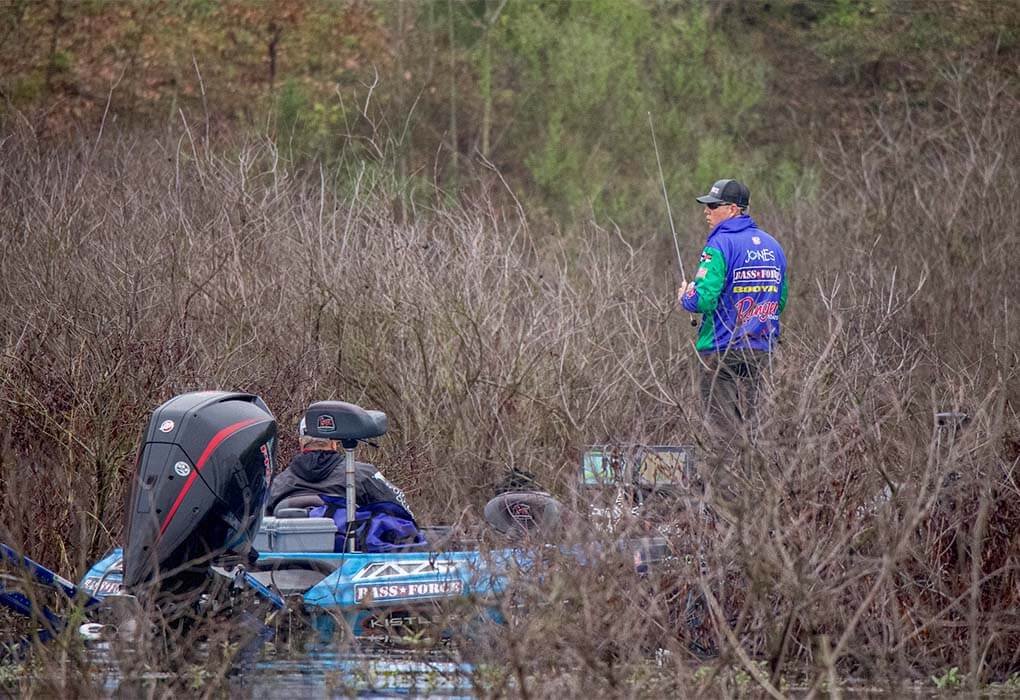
<point x="669" y="213"/>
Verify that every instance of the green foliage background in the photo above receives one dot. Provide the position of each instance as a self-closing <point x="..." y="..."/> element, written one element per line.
<point x="589" y="76"/>
<point x="554" y="95"/>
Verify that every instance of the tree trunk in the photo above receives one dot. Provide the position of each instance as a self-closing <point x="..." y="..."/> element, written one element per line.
<point x="486" y="86"/>
<point x="275" y="33"/>
<point x="454" y="148"/>
<point x="56" y="23"/>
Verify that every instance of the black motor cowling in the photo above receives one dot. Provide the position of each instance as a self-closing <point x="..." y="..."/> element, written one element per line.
<point x="200" y="486"/>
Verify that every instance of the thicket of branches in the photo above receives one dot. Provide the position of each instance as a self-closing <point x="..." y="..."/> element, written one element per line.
<point x="842" y="543"/>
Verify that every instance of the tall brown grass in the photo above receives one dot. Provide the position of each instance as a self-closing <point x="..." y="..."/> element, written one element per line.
<point x="842" y="543"/>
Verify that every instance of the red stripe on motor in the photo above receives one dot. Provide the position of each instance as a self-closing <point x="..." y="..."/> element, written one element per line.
<point x="209" y="449"/>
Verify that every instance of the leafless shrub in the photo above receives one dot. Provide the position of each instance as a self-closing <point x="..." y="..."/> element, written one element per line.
<point x="844" y="542"/>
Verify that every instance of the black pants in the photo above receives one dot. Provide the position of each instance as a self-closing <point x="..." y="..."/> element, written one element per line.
<point x="730" y="384"/>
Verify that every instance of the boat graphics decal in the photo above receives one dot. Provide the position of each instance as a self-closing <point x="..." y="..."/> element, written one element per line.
<point x="391" y="569"/>
<point x="99" y="585"/>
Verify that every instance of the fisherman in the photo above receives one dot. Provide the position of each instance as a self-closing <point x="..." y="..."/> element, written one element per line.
<point x="740" y="290"/>
<point x="320" y="469"/>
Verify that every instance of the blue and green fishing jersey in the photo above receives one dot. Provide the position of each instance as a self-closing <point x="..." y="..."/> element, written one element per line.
<point x="739" y="288"/>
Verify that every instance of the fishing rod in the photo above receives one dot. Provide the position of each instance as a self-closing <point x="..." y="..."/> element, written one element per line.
<point x="669" y="213"/>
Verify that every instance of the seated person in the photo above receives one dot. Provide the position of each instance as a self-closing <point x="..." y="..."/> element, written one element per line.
<point x="320" y="469"/>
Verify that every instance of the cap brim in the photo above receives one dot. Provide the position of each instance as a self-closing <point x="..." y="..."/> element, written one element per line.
<point x="708" y="199"/>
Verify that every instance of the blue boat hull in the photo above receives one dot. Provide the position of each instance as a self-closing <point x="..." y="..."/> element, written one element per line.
<point x="382" y="594"/>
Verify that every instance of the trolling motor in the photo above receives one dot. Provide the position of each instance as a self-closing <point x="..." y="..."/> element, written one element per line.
<point x="348" y="424"/>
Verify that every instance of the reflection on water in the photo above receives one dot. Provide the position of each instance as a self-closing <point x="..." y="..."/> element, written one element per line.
<point x="323" y="672"/>
<point x="319" y="670"/>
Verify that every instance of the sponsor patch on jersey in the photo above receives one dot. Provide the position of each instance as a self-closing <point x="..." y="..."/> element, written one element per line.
<point x="763" y="255"/>
<point x="756" y="240"/>
<point x="748" y="310"/>
<point x="706" y="257"/>
<point x="757" y="274"/>
<point x="398" y="493"/>
<point x="755" y="289"/>
<point x="702" y="271"/>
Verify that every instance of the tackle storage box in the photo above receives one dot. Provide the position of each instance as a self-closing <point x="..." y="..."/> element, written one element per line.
<point x="295" y="535"/>
<point x="261" y="541"/>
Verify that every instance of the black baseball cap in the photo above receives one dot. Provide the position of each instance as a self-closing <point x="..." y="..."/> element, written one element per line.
<point x="727" y="192"/>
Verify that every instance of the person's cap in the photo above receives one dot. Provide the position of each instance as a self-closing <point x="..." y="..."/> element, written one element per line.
<point x="727" y="192"/>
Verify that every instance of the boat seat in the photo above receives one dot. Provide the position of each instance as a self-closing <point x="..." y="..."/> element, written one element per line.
<point x="339" y="420"/>
<point x="297" y="506"/>
<point x="517" y="514"/>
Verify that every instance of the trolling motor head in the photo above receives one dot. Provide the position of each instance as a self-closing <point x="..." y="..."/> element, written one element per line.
<point x="200" y="488"/>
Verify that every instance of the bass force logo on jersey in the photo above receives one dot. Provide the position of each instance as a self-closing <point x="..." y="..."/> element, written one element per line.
<point x="757" y="274"/>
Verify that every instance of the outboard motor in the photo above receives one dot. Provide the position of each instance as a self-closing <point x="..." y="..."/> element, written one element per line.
<point x="201" y="484"/>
